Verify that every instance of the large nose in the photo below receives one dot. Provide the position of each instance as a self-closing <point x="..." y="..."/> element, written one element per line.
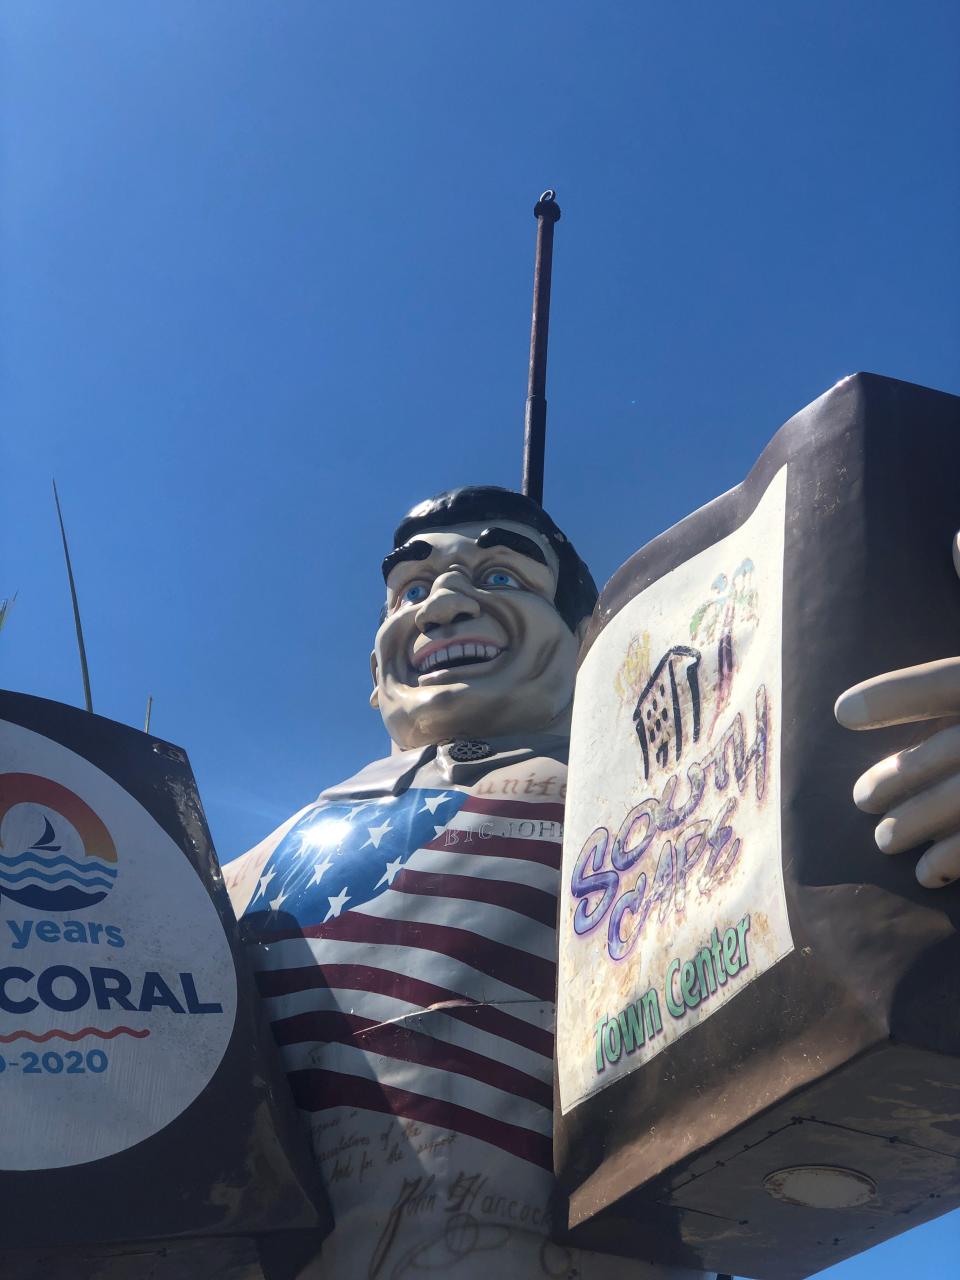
<point x="451" y="600"/>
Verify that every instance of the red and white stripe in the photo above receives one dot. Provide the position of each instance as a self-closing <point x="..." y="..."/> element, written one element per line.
<point x="434" y="1001"/>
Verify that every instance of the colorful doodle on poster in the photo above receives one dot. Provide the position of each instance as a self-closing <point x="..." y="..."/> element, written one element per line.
<point x="697" y="832"/>
<point x="672" y="895"/>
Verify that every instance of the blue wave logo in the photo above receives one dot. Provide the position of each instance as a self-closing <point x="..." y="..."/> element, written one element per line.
<point x="44" y="875"/>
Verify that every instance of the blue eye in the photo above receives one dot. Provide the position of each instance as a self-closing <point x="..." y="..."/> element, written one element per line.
<point x="416" y="592"/>
<point x="498" y="578"/>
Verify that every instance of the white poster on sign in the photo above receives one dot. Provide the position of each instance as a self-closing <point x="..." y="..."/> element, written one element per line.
<point x="118" y="992"/>
<point x="672" y="894"/>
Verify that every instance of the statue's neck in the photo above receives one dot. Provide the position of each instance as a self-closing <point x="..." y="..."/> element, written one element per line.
<point x="559" y="726"/>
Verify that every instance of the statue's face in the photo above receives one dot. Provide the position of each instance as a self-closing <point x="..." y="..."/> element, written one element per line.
<point x="472" y="645"/>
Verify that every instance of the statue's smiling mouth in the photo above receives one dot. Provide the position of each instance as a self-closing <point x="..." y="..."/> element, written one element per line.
<point x="452" y="654"/>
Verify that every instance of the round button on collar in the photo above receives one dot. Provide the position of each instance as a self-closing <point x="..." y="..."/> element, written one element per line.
<point x="470" y="749"/>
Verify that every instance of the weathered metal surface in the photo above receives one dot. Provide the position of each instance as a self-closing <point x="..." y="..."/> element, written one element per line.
<point x="547" y="213"/>
<point x="846" y="1051"/>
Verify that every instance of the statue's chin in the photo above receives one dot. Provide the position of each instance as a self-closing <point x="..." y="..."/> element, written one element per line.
<point x="455" y="712"/>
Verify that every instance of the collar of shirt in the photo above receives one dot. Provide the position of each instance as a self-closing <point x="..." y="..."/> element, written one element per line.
<point x="433" y="766"/>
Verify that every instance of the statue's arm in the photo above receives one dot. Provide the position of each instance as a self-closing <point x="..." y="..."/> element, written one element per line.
<point x="918" y="790"/>
<point x="242" y="874"/>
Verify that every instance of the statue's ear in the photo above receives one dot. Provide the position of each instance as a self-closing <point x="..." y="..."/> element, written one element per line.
<point x="375" y="695"/>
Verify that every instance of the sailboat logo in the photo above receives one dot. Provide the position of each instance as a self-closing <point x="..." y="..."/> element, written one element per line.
<point x="56" y="853"/>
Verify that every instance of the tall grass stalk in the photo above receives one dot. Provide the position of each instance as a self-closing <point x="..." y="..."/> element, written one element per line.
<point x="5" y="607"/>
<point x="88" y="701"/>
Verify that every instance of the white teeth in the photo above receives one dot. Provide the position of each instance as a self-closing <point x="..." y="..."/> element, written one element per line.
<point x="441" y="657"/>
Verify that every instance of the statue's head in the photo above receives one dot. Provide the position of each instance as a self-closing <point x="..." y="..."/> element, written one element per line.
<point x="486" y="604"/>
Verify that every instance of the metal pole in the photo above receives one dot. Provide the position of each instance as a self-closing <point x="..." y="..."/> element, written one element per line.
<point x="88" y="701"/>
<point x="547" y="213"/>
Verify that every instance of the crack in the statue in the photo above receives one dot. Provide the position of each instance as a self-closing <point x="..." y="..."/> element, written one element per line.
<point x="441" y="1006"/>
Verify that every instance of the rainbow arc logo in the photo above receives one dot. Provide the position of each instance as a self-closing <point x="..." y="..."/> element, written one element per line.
<point x="43" y="874"/>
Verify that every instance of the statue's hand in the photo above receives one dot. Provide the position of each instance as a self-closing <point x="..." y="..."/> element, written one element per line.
<point x="917" y="790"/>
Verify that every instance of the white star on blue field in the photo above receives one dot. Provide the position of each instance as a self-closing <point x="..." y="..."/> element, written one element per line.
<point x="339" y="856"/>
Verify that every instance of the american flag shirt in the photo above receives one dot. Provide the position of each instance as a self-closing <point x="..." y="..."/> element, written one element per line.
<point x="404" y="946"/>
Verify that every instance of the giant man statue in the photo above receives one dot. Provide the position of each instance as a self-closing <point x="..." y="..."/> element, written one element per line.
<point x="402" y="926"/>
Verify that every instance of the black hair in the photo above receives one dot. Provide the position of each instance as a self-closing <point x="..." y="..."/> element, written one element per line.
<point x="576" y="589"/>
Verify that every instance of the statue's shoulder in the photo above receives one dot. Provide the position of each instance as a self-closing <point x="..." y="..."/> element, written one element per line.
<point x="241" y="875"/>
<point x="535" y="770"/>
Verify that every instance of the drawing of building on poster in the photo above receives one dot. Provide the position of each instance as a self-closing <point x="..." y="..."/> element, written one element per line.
<point x="672" y="888"/>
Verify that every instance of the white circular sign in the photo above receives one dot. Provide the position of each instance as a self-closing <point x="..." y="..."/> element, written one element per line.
<point x="118" y="991"/>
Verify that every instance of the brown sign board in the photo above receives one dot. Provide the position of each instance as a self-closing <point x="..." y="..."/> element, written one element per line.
<point x="758" y="1042"/>
<point x="147" y="1122"/>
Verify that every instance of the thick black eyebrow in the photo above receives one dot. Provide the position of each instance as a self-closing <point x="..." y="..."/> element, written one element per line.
<point x="416" y="549"/>
<point x="515" y="541"/>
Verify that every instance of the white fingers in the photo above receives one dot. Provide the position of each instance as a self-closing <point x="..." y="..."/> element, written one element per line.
<point x="899" y="697"/>
<point x="904" y="774"/>
<point x="940" y="865"/>
<point x="956" y="552"/>
<point x="933" y="813"/>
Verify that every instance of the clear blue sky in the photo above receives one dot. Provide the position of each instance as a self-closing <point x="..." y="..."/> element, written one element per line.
<point x="267" y="273"/>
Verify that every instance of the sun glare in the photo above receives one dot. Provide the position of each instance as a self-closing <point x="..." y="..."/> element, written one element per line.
<point x="325" y="835"/>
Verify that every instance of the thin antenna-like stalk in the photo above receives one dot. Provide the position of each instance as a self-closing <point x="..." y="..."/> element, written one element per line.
<point x="5" y="607"/>
<point x="88" y="701"/>
<point x="146" y="723"/>
<point x="547" y="213"/>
